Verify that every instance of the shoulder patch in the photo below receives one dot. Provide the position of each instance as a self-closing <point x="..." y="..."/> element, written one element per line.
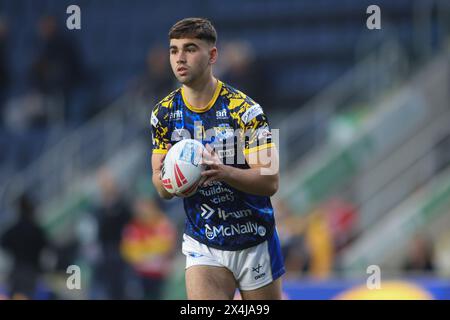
<point x="154" y="120"/>
<point x="251" y="113"/>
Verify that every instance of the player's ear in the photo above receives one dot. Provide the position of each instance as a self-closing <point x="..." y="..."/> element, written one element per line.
<point x="213" y="53"/>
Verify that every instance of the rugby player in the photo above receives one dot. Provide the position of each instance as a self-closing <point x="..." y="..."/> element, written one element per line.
<point x="230" y="240"/>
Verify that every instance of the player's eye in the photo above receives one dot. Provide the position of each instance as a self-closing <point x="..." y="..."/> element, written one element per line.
<point x="173" y="51"/>
<point x="190" y="50"/>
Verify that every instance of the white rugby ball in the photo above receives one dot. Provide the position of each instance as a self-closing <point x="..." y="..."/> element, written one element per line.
<point x="182" y="168"/>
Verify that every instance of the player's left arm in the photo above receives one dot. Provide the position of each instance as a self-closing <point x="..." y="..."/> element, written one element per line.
<point x="261" y="154"/>
<point x="262" y="178"/>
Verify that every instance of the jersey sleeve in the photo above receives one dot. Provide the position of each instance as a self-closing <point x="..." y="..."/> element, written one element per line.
<point x="160" y="129"/>
<point x="257" y="133"/>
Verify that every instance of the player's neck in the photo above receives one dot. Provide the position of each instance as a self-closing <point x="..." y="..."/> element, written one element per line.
<point x="199" y="94"/>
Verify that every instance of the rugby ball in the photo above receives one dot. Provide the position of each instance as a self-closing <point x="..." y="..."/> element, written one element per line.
<point x="182" y="168"/>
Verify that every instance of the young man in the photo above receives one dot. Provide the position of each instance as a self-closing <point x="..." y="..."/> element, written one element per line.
<point x="230" y="239"/>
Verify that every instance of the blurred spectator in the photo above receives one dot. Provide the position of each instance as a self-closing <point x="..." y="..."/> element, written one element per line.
<point x="242" y="70"/>
<point x="33" y="110"/>
<point x="157" y="79"/>
<point x="320" y="243"/>
<point x="291" y="229"/>
<point x="342" y="218"/>
<point x="148" y="245"/>
<point x="420" y="255"/>
<point x="58" y="69"/>
<point x="112" y="214"/>
<point x="4" y="72"/>
<point x="25" y="242"/>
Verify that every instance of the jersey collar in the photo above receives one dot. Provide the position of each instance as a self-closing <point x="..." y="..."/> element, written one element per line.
<point x="210" y="103"/>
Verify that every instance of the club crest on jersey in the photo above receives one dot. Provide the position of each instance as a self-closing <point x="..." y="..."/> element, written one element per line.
<point x="179" y="134"/>
<point x="223" y="131"/>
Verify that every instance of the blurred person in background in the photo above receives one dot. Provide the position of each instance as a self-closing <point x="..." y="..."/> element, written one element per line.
<point x="419" y="255"/>
<point x="320" y="243"/>
<point x="25" y="241"/>
<point x="295" y="251"/>
<point x="342" y="217"/>
<point x="151" y="86"/>
<point x="58" y="69"/>
<point x="4" y="72"/>
<point x="112" y="215"/>
<point x="241" y="69"/>
<point x="148" y="244"/>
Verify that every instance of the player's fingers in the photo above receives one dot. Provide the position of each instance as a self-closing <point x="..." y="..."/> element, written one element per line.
<point x="209" y="173"/>
<point x="206" y="154"/>
<point x="210" y="149"/>
<point x="204" y="159"/>
<point x="210" y="163"/>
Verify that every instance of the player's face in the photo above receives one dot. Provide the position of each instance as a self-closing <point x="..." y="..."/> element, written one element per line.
<point x="191" y="59"/>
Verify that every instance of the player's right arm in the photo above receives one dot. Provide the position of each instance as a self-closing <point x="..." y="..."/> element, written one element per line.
<point x="160" y="146"/>
<point x="157" y="161"/>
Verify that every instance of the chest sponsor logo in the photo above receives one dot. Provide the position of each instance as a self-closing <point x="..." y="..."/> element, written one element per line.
<point x="207" y="212"/>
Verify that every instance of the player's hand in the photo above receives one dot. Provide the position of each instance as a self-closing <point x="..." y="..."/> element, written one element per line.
<point x="216" y="170"/>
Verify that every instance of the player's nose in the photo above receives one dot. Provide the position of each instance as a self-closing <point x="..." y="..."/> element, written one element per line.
<point x="181" y="58"/>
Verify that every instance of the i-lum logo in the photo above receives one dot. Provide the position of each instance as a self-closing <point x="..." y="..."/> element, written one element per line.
<point x="207" y="211"/>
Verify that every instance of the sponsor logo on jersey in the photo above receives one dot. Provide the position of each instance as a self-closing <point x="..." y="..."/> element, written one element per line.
<point x="222" y="198"/>
<point x="229" y="231"/>
<point x="154" y="120"/>
<point x="261" y="231"/>
<point x="207" y="211"/>
<point x="223" y="132"/>
<point x="217" y="193"/>
<point x="235" y="214"/>
<point x="225" y="153"/>
<point x="214" y="188"/>
<point x="176" y="115"/>
<point x="221" y="114"/>
<point x="251" y="113"/>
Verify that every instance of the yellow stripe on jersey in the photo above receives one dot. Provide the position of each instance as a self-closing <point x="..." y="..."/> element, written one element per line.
<point x="259" y="148"/>
<point x="160" y="151"/>
<point x="210" y="103"/>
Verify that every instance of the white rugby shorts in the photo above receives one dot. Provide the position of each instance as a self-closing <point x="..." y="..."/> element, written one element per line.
<point x="253" y="268"/>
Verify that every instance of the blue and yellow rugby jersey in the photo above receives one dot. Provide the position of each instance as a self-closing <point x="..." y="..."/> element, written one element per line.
<point x="219" y="215"/>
